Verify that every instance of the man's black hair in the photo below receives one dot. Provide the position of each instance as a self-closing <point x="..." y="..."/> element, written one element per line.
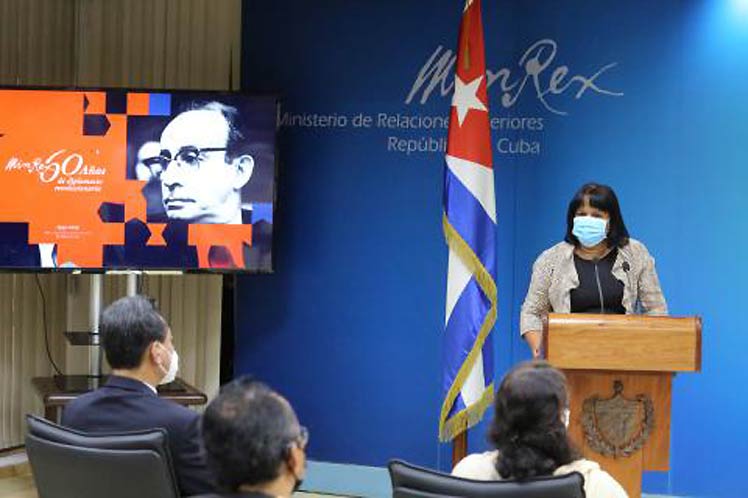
<point x="247" y="429"/>
<point x="127" y="327"/>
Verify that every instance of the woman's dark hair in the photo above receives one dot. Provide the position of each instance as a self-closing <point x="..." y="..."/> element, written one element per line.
<point x="603" y="198"/>
<point x="528" y="429"/>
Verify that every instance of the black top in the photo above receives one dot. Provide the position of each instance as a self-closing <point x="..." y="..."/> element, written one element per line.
<point x="599" y="291"/>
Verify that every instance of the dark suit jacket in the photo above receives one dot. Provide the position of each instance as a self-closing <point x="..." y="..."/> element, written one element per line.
<point x="127" y="405"/>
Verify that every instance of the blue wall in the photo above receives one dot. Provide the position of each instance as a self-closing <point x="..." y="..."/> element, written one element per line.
<point x="349" y="325"/>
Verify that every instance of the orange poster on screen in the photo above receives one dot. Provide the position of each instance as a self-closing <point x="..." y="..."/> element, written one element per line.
<point x="118" y="180"/>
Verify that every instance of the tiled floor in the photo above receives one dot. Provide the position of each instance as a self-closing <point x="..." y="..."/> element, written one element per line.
<point x="17" y="487"/>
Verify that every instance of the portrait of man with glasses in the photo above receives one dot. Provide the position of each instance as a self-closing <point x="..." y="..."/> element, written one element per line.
<point x="203" y="159"/>
<point x="202" y="165"/>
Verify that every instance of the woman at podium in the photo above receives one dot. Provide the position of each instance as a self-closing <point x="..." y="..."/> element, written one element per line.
<point x="597" y="268"/>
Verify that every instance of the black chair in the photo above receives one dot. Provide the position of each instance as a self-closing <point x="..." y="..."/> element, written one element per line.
<point x="410" y="481"/>
<point x="71" y="464"/>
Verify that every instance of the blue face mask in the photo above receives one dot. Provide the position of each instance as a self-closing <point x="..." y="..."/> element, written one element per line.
<point x="590" y="231"/>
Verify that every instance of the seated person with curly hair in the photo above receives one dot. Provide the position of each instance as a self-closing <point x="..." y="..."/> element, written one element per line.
<point x="254" y="442"/>
<point x="529" y="433"/>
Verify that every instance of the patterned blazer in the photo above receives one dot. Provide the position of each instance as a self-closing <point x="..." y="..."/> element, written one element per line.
<point x="554" y="276"/>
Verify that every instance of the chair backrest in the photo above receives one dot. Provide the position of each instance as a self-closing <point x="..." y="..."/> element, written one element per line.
<point x="71" y="464"/>
<point x="410" y="481"/>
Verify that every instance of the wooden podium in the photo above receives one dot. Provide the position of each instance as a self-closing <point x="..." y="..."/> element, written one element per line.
<point x="619" y="369"/>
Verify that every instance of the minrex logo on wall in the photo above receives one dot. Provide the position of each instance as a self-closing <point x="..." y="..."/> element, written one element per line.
<point x="535" y="76"/>
<point x="538" y="75"/>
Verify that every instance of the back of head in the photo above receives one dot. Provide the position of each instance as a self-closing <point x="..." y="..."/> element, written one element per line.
<point x="528" y="427"/>
<point x="247" y="430"/>
<point x="128" y="326"/>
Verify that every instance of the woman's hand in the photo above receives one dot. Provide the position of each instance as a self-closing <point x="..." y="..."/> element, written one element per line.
<point x="534" y="339"/>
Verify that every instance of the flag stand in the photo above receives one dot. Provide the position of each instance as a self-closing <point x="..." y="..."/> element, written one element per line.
<point x="459" y="447"/>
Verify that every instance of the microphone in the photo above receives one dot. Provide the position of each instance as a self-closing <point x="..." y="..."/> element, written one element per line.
<point x="626" y="267"/>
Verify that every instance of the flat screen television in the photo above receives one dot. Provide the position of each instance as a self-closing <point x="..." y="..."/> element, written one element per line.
<point x="99" y="180"/>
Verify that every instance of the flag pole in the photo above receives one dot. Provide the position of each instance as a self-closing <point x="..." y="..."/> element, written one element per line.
<point x="459" y="447"/>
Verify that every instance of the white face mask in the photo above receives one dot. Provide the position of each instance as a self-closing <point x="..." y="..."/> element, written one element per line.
<point x="171" y="374"/>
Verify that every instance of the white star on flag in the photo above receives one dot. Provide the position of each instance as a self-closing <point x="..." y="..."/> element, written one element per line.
<point x="466" y="98"/>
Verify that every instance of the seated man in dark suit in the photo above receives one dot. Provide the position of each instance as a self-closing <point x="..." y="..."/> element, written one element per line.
<point x="254" y="442"/>
<point x="137" y="342"/>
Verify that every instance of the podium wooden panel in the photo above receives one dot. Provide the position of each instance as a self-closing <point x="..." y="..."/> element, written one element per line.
<point x="639" y="352"/>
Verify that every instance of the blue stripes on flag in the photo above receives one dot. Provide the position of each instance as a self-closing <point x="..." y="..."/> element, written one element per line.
<point x="467" y="338"/>
<point x="470" y="220"/>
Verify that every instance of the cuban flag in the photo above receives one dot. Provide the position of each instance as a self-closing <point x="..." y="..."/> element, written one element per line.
<point x="469" y="222"/>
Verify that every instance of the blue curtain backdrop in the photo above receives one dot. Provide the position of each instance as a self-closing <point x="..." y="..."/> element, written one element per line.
<point x="652" y="101"/>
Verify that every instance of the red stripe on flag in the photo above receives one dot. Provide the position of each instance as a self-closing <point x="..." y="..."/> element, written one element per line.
<point x="471" y="139"/>
<point x="471" y="56"/>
